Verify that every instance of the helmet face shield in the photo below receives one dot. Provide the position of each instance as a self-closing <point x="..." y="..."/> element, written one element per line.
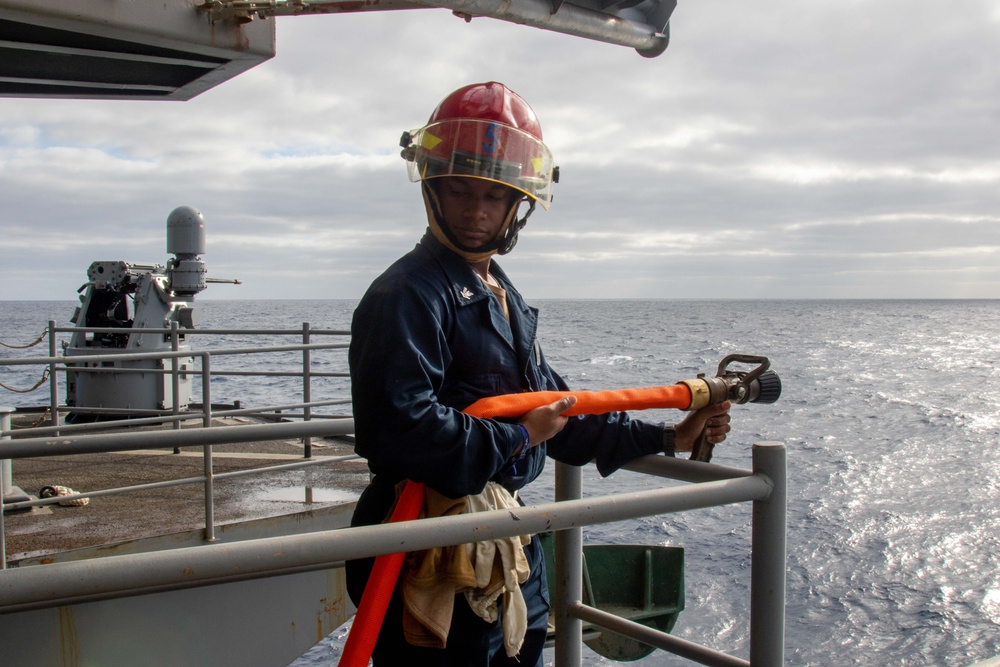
<point x="483" y="149"/>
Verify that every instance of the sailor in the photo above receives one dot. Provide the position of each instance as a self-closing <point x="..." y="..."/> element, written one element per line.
<point x="442" y="327"/>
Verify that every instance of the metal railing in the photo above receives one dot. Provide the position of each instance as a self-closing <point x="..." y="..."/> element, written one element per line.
<point x="57" y="584"/>
<point x="121" y="442"/>
<point x="65" y="364"/>
<point x="55" y="364"/>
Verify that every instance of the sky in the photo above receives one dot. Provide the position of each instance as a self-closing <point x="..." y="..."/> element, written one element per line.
<point x="778" y="149"/>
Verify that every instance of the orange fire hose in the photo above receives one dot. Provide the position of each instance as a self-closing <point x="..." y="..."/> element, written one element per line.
<point x="382" y="581"/>
<point x="587" y="402"/>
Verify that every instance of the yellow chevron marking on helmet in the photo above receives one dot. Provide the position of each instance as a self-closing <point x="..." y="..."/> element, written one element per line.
<point x="428" y="140"/>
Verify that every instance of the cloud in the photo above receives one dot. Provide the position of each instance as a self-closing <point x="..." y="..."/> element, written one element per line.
<point x="787" y="150"/>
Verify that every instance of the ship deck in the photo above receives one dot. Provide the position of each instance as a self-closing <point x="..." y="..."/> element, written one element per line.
<point x="149" y="512"/>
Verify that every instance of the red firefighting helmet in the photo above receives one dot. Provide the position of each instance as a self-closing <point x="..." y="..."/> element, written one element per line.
<point x="484" y="130"/>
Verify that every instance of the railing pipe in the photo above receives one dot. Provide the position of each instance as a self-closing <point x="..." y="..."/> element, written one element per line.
<point x="655" y="638"/>
<point x="768" y="565"/>
<point x="128" y="356"/>
<point x="6" y="483"/>
<point x="206" y="406"/>
<point x="292" y="415"/>
<point x="162" y="354"/>
<point x="163" y="371"/>
<point x="208" y="332"/>
<point x="568" y="557"/>
<point x="306" y="386"/>
<point x="684" y="470"/>
<point x="6" y="468"/>
<point x="175" y="378"/>
<point x="161" y="418"/>
<point x="326" y="460"/>
<point x="206" y="388"/>
<point x="58" y="584"/>
<point x="123" y="442"/>
<point x="283" y="374"/>
<point x="286" y="406"/>
<point x="53" y="383"/>
<point x="278" y="348"/>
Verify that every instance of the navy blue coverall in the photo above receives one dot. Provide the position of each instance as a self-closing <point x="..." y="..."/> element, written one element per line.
<point x="427" y="340"/>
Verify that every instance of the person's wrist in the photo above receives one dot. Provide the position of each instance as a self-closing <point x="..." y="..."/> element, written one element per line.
<point x="669" y="440"/>
<point x="525" y="438"/>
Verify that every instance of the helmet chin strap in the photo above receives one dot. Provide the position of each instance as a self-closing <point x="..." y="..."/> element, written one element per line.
<point x="504" y="242"/>
<point x="516" y="225"/>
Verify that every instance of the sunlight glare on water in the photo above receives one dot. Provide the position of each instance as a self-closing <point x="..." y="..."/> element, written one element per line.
<point x="891" y="414"/>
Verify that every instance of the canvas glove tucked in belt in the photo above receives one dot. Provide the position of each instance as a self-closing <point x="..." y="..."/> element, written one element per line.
<point x="483" y="571"/>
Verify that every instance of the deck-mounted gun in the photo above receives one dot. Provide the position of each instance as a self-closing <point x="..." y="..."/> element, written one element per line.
<point x="126" y="303"/>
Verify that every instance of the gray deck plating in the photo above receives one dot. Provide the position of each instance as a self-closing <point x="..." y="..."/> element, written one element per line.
<point x="44" y="532"/>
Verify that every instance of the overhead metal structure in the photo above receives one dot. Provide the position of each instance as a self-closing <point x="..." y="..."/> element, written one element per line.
<point x="122" y="49"/>
<point x="176" y="49"/>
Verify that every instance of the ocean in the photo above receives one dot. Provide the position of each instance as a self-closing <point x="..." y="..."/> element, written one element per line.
<point x="890" y="411"/>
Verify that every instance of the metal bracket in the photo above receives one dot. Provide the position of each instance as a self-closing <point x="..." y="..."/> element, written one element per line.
<point x="245" y="11"/>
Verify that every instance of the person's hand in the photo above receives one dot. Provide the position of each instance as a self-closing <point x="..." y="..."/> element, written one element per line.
<point x="544" y="422"/>
<point x="713" y="420"/>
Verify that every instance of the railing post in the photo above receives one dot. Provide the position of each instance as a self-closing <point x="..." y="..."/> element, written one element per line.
<point x="6" y="483"/>
<point x="206" y="389"/>
<point x="306" y="387"/>
<point x="175" y="378"/>
<point x="206" y="401"/>
<point x="53" y="383"/>
<point x="767" y="568"/>
<point x="568" y="561"/>
<point x="6" y="469"/>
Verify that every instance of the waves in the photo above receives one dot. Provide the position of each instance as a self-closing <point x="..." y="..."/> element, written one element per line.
<point x="890" y="411"/>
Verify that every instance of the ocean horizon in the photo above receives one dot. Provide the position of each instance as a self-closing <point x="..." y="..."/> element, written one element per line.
<point x="890" y="411"/>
